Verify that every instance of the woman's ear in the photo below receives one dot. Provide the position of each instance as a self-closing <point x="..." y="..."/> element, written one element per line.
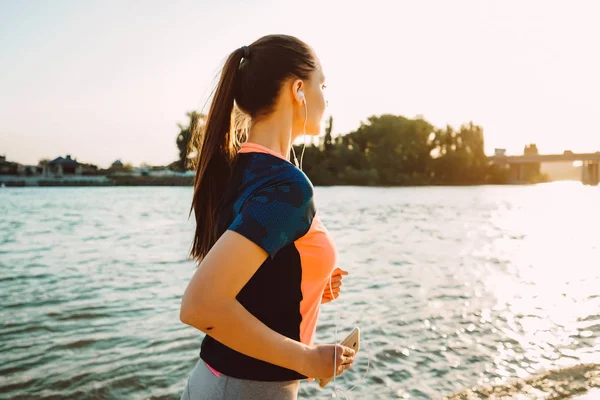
<point x="298" y="91"/>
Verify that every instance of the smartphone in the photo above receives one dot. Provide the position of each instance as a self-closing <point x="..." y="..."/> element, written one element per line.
<point x="352" y="341"/>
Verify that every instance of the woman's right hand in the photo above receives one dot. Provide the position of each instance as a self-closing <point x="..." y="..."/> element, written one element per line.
<point x="320" y="358"/>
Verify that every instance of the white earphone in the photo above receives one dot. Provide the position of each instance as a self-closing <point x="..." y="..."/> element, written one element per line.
<point x="303" y="98"/>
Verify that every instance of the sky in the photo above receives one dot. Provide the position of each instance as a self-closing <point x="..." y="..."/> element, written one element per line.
<point x="106" y="80"/>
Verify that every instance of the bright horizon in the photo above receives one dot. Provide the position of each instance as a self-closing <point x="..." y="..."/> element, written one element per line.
<point x="110" y="80"/>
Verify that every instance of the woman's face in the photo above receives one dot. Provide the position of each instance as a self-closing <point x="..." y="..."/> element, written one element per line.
<point x="315" y="102"/>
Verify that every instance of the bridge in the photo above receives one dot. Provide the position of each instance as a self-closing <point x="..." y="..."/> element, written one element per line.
<point x="590" y="170"/>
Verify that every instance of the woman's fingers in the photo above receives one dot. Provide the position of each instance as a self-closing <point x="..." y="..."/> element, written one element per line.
<point x="347" y="360"/>
<point x="339" y="271"/>
<point x="335" y="284"/>
<point x="342" y="368"/>
<point x="346" y="351"/>
<point x="332" y="289"/>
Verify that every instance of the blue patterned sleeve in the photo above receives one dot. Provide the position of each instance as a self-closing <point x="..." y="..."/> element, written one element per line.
<point x="276" y="215"/>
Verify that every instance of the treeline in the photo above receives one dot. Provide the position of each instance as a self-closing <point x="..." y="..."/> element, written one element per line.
<point x="391" y="150"/>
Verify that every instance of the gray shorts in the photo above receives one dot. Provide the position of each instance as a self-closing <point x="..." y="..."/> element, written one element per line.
<point x="204" y="385"/>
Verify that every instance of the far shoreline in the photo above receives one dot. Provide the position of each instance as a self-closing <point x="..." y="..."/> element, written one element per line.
<point x="188" y="181"/>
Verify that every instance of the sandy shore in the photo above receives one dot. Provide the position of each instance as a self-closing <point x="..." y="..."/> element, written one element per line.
<point x="580" y="382"/>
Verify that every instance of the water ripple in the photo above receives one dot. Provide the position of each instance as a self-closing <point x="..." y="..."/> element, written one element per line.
<point x="454" y="288"/>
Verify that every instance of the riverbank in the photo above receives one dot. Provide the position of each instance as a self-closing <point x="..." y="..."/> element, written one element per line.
<point x="36" y="181"/>
<point x="153" y="180"/>
<point x="16" y="181"/>
<point x="578" y="383"/>
<point x="185" y="181"/>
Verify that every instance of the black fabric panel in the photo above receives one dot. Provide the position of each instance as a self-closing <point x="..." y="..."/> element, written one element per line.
<point x="272" y="295"/>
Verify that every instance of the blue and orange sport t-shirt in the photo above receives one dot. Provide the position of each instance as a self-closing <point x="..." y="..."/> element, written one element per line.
<point x="270" y="202"/>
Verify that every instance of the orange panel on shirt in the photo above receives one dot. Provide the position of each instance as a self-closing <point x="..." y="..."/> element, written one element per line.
<point x="318" y="258"/>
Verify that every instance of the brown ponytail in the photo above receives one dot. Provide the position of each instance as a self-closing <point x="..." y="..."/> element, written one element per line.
<point x="253" y="85"/>
<point x="216" y="157"/>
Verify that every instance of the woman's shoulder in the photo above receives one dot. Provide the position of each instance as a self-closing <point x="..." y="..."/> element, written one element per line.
<point x="266" y="173"/>
<point x="290" y="186"/>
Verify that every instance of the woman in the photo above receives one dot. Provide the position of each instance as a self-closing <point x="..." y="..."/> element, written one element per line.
<point x="265" y="257"/>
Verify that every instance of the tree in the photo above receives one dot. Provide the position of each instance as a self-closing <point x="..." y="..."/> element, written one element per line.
<point x="186" y="146"/>
<point x="328" y="142"/>
<point x="396" y="147"/>
<point x="459" y="155"/>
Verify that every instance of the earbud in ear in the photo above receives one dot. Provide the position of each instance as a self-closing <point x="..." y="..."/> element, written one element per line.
<point x="301" y="94"/>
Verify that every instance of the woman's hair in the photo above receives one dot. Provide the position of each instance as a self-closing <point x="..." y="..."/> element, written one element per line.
<point x="251" y="80"/>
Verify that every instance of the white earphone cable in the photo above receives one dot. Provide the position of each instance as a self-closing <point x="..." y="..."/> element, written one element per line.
<point x="335" y="389"/>
<point x="299" y="165"/>
<point x="304" y="135"/>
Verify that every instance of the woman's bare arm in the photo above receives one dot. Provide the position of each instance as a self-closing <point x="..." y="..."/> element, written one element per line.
<point x="209" y="304"/>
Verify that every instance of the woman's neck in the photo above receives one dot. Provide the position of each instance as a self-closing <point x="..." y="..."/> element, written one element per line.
<point x="274" y="133"/>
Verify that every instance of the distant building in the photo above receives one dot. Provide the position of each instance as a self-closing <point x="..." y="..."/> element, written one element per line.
<point x="161" y="170"/>
<point x="31" y="170"/>
<point x="63" y="167"/>
<point x="16" y="169"/>
<point x="117" y="168"/>
<point x="117" y="165"/>
<point x="9" y="168"/>
<point x="90" y="170"/>
<point x="142" y="171"/>
<point x="500" y="152"/>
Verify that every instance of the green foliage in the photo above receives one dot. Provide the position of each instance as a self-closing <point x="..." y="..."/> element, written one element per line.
<point x="184" y="139"/>
<point x="460" y="157"/>
<point x="389" y="150"/>
<point x="393" y="150"/>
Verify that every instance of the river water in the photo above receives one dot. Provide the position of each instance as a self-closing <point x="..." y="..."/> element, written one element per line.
<point x="453" y="288"/>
